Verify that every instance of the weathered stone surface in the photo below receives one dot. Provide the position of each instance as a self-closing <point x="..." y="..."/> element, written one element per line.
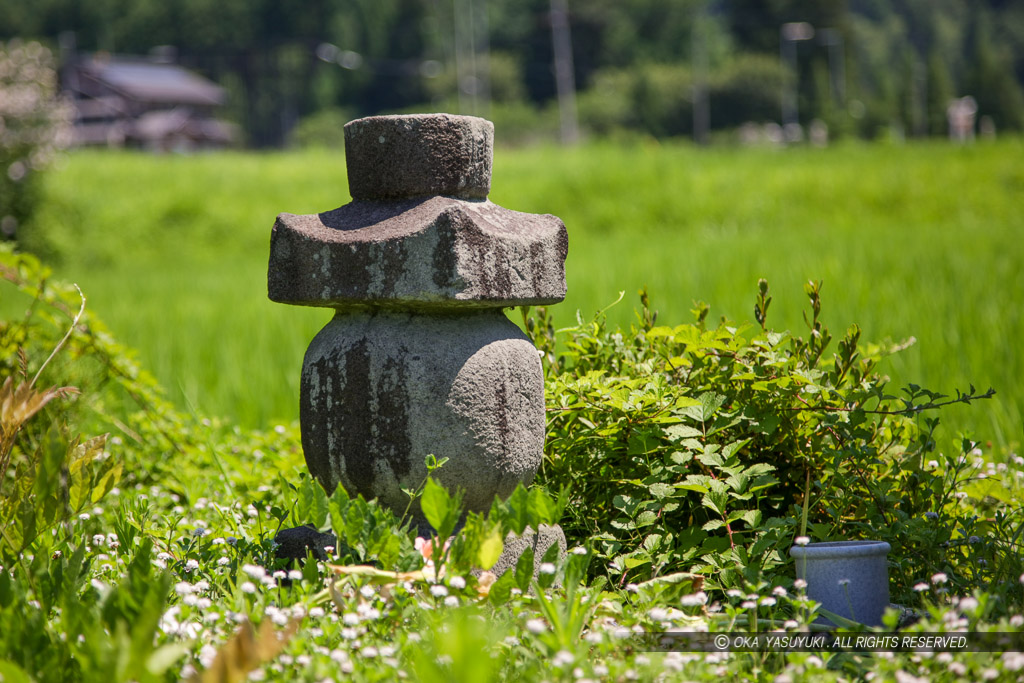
<point x="539" y="540"/>
<point x="381" y="390"/>
<point x="435" y="252"/>
<point x="297" y="542"/>
<point x="394" y="157"/>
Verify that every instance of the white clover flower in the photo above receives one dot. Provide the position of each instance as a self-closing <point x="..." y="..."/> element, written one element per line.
<point x="563" y="658"/>
<point x="84" y="516"/>
<point x="657" y="614"/>
<point x="316" y="612"/>
<point x="280" y="575"/>
<point x="191" y="565"/>
<point x="734" y="593"/>
<point x="254" y="571"/>
<point x="768" y="601"/>
<point x="451" y="601"/>
<point x="203" y="603"/>
<point x="694" y="599"/>
<point x="248" y="587"/>
<point x="536" y="626"/>
<point x="438" y="591"/>
<point x="939" y="578"/>
<point x="280" y="618"/>
<point x="191" y="600"/>
<point x="223" y="561"/>
<point x="799" y="584"/>
<point x="98" y="539"/>
<point x="547" y="568"/>
<point x="802" y="540"/>
<point x="779" y="591"/>
<point x="295" y="575"/>
<point x="920" y="587"/>
<point x="183" y="588"/>
<point x="748" y="604"/>
<point x="457" y="582"/>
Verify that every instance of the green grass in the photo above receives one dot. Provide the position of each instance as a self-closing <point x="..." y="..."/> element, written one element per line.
<point x="920" y="240"/>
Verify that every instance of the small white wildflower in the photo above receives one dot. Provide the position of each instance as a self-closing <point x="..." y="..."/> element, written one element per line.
<point x="632" y="588"/>
<point x="191" y="599"/>
<point x="316" y="612"/>
<point x="790" y="624"/>
<point x="223" y="561"/>
<point x="932" y="464"/>
<point x="769" y="601"/>
<point x="734" y="593"/>
<point x="536" y="626"/>
<point x="779" y="591"/>
<point x="451" y="601"/>
<point x="802" y="540"/>
<point x="295" y="575"/>
<point x="920" y="587"/>
<point x="457" y="582"/>
<point x="350" y="619"/>
<point x="438" y="591"/>
<point x="939" y="578"/>
<point x="578" y="550"/>
<point x="694" y="600"/>
<point x="799" y="584"/>
<point x="968" y="604"/>
<point x="280" y="575"/>
<point x="1017" y="620"/>
<point x="658" y="614"/>
<point x="368" y="592"/>
<point x="254" y="572"/>
<point x="99" y="539"/>
<point x="280" y="618"/>
<point x="191" y="565"/>
<point x="84" y="516"/>
<point x="547" y="568"/>
<point x="184" y="588"/>
<point x="563" y="658"/>
<point x="748" y="604"/>
<point x="248" y="587"/>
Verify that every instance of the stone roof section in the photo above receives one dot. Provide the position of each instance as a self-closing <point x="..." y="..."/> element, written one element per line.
<point x="430" y="252"/>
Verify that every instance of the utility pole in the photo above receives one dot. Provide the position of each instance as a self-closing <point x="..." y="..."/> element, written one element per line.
<point x="565" y="81"/>
<point x="701" y="106"/>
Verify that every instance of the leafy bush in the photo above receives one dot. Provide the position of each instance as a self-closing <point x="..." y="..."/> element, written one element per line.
<point x="693" y="447"/>
<point x="34" y="125"/>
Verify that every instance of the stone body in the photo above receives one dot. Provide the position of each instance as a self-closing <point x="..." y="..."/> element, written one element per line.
<point x="383" y="389"/>
<point x="419" y="358"/>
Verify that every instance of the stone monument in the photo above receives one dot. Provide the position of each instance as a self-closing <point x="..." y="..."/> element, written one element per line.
<point x="419" y="358"/>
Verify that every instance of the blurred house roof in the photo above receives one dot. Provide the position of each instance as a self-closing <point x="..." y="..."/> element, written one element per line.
<point x="123" y="100"/>
<point x="149" y="81"/>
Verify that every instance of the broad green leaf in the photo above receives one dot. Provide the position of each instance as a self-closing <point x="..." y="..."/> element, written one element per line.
<point x="490" y="549"/>
<point x="661" y="490"/>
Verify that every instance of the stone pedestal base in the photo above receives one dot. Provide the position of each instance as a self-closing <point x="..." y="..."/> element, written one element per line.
<point x="540" y="541"/>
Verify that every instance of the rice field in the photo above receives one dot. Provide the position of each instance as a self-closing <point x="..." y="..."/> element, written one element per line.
<point x="921" y="240"/>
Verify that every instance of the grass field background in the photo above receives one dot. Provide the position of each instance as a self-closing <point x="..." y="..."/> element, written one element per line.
<point x="923" y="240"/>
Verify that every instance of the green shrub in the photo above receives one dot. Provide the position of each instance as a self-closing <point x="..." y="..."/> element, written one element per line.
<point x="33" y="127"/>
<point x="692" y="447"/>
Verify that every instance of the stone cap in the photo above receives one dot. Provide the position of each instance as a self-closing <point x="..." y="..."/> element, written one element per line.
<point x="395" y="157"/>
<point x="427" y="253"/>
